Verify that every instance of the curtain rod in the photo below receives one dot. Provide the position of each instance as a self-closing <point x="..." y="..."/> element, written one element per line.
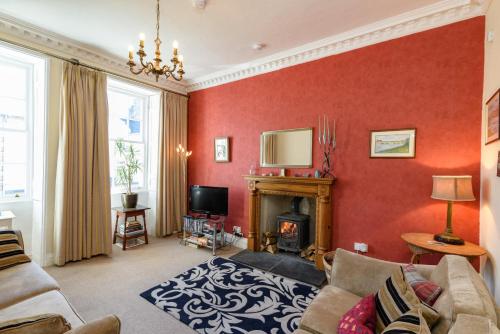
<point x="75" y="61"/>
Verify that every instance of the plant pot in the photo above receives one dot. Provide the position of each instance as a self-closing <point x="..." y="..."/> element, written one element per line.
<point x="129" y="201"/>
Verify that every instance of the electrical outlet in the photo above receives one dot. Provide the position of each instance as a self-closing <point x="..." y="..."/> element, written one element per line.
<point x="236" y="229"/>
<point x="361" y="247"/>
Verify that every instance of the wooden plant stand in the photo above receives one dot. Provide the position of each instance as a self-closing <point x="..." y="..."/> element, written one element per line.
<point x="139" y="211"/>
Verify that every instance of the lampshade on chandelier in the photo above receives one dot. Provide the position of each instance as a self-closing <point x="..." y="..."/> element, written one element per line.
<point x="175" y="70"/>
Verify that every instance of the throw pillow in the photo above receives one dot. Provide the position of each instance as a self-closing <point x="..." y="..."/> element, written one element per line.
<point x="40" y="324"/>
<point x="11" y="253"/>
<point x="396" y="298"/>
<point x="427" y="291"/>
<point x="360" y="319"/>
<point x="412" y="322"/>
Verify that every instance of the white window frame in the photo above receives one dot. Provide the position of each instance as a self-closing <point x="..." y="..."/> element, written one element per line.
<point x="125" y="88"/>
<point x="30" y="105"/>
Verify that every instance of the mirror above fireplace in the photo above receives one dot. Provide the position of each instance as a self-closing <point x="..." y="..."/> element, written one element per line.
<point x="286" y="148"/>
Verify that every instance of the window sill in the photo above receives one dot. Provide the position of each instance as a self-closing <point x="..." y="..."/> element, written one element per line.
<point x="15" y="200"/>
<point x="138" y="191"/>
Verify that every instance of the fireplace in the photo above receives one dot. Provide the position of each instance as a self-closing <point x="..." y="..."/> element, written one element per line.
<point x="318" y="189"/>
<point x="293" y="229"/>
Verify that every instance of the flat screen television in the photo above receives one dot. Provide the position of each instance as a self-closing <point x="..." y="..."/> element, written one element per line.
<point x="208" y="200"/>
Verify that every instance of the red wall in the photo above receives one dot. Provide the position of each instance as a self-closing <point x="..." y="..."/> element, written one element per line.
<point x="431" y="81"/>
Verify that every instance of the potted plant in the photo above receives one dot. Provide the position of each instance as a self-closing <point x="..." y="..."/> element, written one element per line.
<point x="127" y="169"/>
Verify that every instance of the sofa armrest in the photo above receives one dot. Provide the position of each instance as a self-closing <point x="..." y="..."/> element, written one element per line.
<point x="109" y="324"/>
<point x="466" y="324"/>
<point x="363" y="275"/>
<point x="20" y="238"/>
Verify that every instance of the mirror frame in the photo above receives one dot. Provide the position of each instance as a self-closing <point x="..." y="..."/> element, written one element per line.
<point x="285" y="166"/>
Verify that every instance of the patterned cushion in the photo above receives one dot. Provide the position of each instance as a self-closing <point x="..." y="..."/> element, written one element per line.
<point x="396" y="298"/>
<point x="412" y="322"/>
<point x="11" y="253"/>
<point x="45" y="323"/>
<point x="360" y="319"/>
<point x="427" y="291"/>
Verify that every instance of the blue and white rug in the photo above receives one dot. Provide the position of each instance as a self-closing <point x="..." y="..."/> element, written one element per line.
<point x="222" y="296"/>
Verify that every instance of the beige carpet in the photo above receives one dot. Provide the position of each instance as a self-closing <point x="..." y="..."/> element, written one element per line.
<point x="104" y="285"/>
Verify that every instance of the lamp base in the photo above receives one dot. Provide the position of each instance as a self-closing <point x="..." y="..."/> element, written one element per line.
<point x="449" y="239"/>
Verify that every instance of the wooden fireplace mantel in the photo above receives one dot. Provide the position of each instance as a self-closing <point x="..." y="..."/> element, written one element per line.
<point x="320" y="189"/>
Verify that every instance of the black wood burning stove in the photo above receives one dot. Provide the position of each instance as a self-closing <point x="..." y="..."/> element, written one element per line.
<point x="293" y="229"/>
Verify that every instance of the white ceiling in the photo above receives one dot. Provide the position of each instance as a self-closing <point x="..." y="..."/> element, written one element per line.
<point x="213" y="39"/>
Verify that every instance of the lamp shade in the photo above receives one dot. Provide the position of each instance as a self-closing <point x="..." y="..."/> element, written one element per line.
<point x="452" y="188"/>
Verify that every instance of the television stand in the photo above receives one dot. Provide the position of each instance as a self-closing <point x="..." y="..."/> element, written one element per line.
<point x="204" y="232"/>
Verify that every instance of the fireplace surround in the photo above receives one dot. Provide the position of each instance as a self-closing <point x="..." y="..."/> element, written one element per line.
<point x="317" y="188"/>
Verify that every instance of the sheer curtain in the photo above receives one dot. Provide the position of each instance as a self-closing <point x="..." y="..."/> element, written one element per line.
<point x="171" y="190"/>
<point x="82" y="221"/>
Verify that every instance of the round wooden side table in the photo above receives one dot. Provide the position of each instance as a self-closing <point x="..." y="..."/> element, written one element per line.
<point x="423" y="243"/>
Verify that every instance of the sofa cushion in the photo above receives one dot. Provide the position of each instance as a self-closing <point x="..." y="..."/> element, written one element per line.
<point x="412" y="322"/>
<point x="322" y="316"/>
<point x="22" y="282"/>
<point x="395" y="298"/>
<point x="48" y="302"/>
<point x="466" y="324"/>
<point x="464" y="292"/>
<point x="11" y="251"/>
<point x="39" y="324"/>
<point x="107" y="325"/>
<point x="360" y="319"/>
<point x="350" y="271"/>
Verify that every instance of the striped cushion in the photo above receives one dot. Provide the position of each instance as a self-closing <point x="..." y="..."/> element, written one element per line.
<point x="396" y="298"/>
<point x="412" y="322"/>
<point x="11" y="253"/>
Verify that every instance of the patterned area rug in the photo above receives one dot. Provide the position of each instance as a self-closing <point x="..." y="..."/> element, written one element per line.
<point x="222" y="296"/>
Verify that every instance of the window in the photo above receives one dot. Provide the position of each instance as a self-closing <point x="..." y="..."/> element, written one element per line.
<point x="16" y="110"/>
<point x="129" y="108"/>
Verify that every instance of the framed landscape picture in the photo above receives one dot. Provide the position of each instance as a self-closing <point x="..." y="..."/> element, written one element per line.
<point x="493" y="118"/>
<point x="398" y="143"/>
<point x="221" y="149"/>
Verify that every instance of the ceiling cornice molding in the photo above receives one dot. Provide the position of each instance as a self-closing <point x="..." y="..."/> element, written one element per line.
<point x="425" y="18"/>
<point x="23" y="34"/>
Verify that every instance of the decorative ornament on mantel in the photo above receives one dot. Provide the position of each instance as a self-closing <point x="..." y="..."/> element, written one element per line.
<point x="155" y="66"/>
<point x="327" y="142"/>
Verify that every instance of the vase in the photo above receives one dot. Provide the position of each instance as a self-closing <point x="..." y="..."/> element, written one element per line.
<point x="129" y="201"/>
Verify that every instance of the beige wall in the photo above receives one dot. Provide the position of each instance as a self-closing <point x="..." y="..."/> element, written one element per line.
<point x="490" y="183"/>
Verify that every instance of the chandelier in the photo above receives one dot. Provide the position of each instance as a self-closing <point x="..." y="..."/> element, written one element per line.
<point x="176" y="70"/>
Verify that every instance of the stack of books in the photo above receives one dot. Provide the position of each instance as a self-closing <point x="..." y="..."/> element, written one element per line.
<point x="132" y="228"/>
<point x="197" y="241"/>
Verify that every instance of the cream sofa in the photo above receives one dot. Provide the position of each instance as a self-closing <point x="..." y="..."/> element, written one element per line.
<point x="465" y="305"/>
<point x="26" y="290"/>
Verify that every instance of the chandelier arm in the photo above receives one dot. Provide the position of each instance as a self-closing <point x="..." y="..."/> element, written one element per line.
<point x="175" y="77"/>
<point x="144" y="64"/>
<point x="166" y="69"/>
<point x="136" y="72"/>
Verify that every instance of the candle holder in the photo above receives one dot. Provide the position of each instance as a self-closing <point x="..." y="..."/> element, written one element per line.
<point x="328" y="143"/>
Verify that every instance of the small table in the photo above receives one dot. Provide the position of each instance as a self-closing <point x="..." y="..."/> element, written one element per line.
<point x="126" y="213"/>
<point x="423" y="243"/>
<point x="6" y="218"/>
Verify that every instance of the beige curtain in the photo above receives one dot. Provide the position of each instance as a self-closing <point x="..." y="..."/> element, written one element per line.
<point x="172" y="173"/>
<point x="82" y="204"/>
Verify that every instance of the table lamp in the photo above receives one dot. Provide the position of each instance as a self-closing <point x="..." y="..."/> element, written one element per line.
<point x="451" y="189"/>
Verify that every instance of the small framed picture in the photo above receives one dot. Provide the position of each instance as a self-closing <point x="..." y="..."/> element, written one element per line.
<point x="399" y="143"/>
<point x="493" y="118"/>
<point x="221" y="149"/>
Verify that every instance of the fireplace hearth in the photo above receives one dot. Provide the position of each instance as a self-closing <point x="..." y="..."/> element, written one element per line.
<point x="293" y="229"/>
